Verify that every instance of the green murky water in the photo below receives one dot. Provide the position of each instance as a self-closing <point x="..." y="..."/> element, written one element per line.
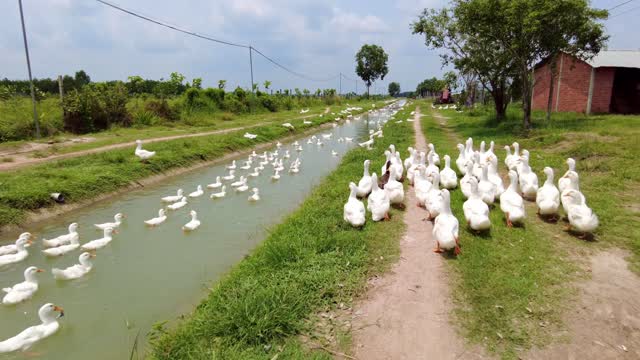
<point x="147" y="275"/>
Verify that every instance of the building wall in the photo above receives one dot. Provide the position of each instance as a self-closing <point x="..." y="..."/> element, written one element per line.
<point x="575" y="77"/>
<point x="542" y="79"/>
<point x="574" y="85"/>
<point x="602" y="88"/>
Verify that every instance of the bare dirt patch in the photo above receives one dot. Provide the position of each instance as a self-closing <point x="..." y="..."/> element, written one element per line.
<point x="605" y="321"/>
<point x="406" y="313"/>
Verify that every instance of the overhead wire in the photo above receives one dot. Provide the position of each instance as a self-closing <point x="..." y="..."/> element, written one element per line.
<point x="624" y="12"/>
<point x="210" y="38"/>
<point x="621" y="4"/>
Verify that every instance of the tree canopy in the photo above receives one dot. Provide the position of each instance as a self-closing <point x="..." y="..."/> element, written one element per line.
<point x="371" y="64"/>
<point x="394" y="88"/>
<point x="501" y="40"/>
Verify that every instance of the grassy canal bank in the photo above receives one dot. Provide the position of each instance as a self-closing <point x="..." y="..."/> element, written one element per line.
<point x="311" y="262"/>
<point x="512" y="286"/>
<point x="86" y="177"/>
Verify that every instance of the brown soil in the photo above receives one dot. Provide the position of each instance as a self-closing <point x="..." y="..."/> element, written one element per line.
<point x="405" y="314"/>
<point x="605" y="322"/>
<point x="23" y="156"/>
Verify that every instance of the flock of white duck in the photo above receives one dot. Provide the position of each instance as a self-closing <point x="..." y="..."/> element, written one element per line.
<point x="270" y="163"/>
<point x="480" y="184"/>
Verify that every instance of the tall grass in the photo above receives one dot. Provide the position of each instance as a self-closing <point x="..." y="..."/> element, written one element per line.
<point x="313" y="259"/>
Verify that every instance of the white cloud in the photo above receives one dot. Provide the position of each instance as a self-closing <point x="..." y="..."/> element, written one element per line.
<point x="343" y="21"/>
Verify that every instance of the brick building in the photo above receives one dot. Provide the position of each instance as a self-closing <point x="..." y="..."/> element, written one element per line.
<point x="608" y="83"/>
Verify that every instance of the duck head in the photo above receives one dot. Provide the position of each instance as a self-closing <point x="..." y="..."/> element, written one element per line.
<point x="85" y="258"/>
<point x="549" y="173"/>
<point x="30" y="274"/>
<point x="48" y="313"/>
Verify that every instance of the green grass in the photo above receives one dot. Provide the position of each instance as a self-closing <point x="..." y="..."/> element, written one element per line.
<point x="311" y="261"/>
<point x="87" y="176"/>
<point x="508" y="284"/>
<point x="199" y="121"/>
<point x="512" y="281"/>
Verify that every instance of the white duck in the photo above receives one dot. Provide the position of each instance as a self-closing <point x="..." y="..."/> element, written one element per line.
<point x="255" y="173"/>
<point x="246" y="166"/>
<point x="232" y="166"/>
<point x="411" y="158"/>
<point x="114" y="225"/>
<point x="421" y="185"/>
<point x="20" y="255"/>
<point x="495" y="178"/>
<point x="573" y="184"/>
<point x="173" y="198"/>
<point x="13" y="248"/>
<point x="528" y="180"/>
<point x="548" y="196"/>
<point x="24" y="340"/>
<point x="433" y="201"/>
<point x="394" y="188"/>
<point x="511" y="161"/>
<point x="141" y="153"/>
<point x="448" y="177"/>
<point x="511" y="203"/>
<point x="242" y="188"/>
<point x="199" y="192"/>
<point x="240" y="182"/>
<point x="387" y="161"/>
<point x="413" y="170"/>
<point x="461" y="161"/>
<point x="275" y="176"/>
<point x="75" y="271"/>
<point x="62" y="249"/>
<point x="219" y="194"/>
<point x="378" y="202"/>
<point x="63" y="239"/>
<point x="354" y="212"/>
<point x="99" y="243"/>
<point x="581" y="217"/>
<point x="24" y="290"/>
<point x="193" y="224"/>
<point x="564" y="183"/>
<point x="432" y="170"/>
<point x="178" y="205"/>
<point x="445" y="227"/>
<point x="436" y="157"/>
<point x="255" y="196"/>
<point x="486" y="188"/>
<point x="162" y="217"/>
<point x="465" y="187"/>
<point x="365" y="183"/>
<point x="399" y="170"/>
<point x="476" y="211"/>
<point x="230" y="176"/>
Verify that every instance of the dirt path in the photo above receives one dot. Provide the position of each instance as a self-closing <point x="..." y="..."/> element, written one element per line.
<point x="406" y="312"/>
<point x="23" y="158"/>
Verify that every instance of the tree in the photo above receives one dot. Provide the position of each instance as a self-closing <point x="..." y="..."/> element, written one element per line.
<point x="222" y="84"/>
<point x="371" y="64"/>
<point x="451" y="80"/>
<point x="82" y="79"/>
<point x="501" y="40"/>
<point x="196" y="83"/>
<point x="267" y="84"/>
<point x="394" y="88"/>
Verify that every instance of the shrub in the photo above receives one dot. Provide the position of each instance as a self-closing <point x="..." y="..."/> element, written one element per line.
<point x="217" y="95"/>
<point x="161" y="109"/>
<point x="270" y="103"/>
<point x="144" y="118"/>
<point x="233" y="104"/>
<point x="240" y="93"/>
<point x="95" y="108"/>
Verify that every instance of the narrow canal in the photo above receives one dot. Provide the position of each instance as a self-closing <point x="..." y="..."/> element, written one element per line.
<point x="146" y="275"/>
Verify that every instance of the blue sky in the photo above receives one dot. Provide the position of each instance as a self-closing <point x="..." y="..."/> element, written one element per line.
<point x="317" y="38"/>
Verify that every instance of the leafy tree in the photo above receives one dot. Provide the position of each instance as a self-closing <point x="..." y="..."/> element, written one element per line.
<point x="254" y="87"/>
<point x="82" y="79"/>
<point x="222" y="84"/>
<point x="267" y="84"/>
<point x="306" y="92"/>
<point x="451" y="79"/>
<point x="196" y="83"/>
<point x="371" y="64"/>
<point x="394" y="88"/>
<point x="501" y="40"/>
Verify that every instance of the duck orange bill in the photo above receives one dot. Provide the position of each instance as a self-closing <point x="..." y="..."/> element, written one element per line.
<point x="40" y="270"/>
<point x="61" y="310"/>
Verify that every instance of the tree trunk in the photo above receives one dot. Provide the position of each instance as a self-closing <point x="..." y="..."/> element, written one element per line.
<point x="553" y="69"/>
<point x="526" y="97"/>
<point x="499" y="101"/>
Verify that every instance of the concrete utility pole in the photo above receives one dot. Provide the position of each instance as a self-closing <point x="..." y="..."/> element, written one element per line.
<point x="340" y="92"/>
<point x="33" y="90"/>
<point x="251" y="65"/>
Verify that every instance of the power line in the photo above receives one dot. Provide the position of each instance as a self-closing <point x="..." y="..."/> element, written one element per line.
<point x="622" y="3"/>
<point x="209" y="38"/>
<point x="291" y="71"/>
<point x="624" y="12"/>
<point x="192" y="33"/>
